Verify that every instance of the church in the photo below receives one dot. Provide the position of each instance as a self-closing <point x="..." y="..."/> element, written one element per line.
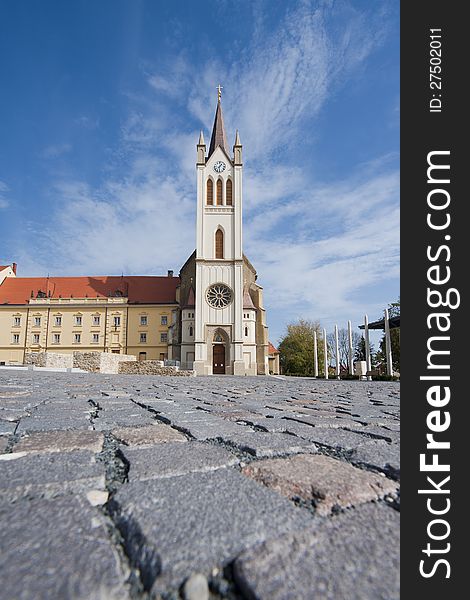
<point x="210" y="318"/>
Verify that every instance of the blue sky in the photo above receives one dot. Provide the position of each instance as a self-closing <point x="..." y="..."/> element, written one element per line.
<point x="100" y="108"/>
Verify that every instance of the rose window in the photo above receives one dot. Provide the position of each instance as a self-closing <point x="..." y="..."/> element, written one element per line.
<point x="219" y="295"/>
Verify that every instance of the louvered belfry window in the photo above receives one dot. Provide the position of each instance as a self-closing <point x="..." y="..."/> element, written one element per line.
<point x="210" y="192"/>
<point x="219" y="192"/>
<point x="219" y="243"/>
<point x="228" y="193"/>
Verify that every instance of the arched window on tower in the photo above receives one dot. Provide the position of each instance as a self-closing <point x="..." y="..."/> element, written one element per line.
<point x="219" y="192"/>
<point x="210" y="192"/>
<point x="219" y="243"/>
<point x="228" y="192"/>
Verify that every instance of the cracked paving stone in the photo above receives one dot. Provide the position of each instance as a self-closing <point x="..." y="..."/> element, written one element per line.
<point x="148" y="435"/>
<point x="264" y="444"/>
<point x="60" y="441"/>
<point x="352" y="556"/>
<point x="169" y="460"/>
<point x="58" y="549"/>
<point x="6" y="427"/>
<point x="379" y="454"/>
<point x="3" y="443"/>
<point x="328" y="482"/>
<point x="48" y="475"/>
<point x="195" y="522"/>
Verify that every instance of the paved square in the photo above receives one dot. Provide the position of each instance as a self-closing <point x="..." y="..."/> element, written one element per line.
<point x="199" y="474"/>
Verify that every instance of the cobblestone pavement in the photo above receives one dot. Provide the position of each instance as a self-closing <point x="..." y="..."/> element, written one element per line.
<point x="117" y="487"/>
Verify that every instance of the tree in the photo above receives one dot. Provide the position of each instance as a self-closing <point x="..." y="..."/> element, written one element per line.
<point x="296" y="348"/>
<point x="360" y="349"/>
<point x="343" y="346"/>
<point x="381" y="356"/>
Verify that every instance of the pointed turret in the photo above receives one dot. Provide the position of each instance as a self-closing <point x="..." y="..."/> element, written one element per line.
<point x="237" y="150"/>
<point x="201" y="150"/>
<point x="218" y="137"/>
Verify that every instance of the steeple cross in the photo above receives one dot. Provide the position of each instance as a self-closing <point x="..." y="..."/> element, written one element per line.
<point x="219" y="92"/>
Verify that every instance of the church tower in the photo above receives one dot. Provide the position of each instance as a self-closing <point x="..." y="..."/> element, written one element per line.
<point x="218" y="335"/>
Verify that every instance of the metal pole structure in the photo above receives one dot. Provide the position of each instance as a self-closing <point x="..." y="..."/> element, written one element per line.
<point x="325" y="348"/>
<point x="337" y="351"/>
<point x="367" y="344"/>
<point x="388" y="344"/>
<point x="351" y="358"/>
<point x="315" y="354"/>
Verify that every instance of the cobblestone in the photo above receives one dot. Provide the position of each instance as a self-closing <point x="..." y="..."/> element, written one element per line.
<point x="60" y="441"/>
<point x="353" y="556"/>
<point x="175" y="459"/>
<point x="147" y="435"/>
<point x="48" y="475"/>
<point x="167" y="498"/>
<point x="53" y="549"/>
<point x="327" y="482"/>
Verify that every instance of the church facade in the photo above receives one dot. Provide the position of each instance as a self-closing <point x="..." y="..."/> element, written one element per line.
<point x="211" y="318"/>
<point x="221" y="324"/>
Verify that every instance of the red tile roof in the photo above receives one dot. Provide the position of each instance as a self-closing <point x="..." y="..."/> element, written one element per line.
<point x="4" y="267"/>
<point x="139" y="289"/>
<point x="272" y="349"/>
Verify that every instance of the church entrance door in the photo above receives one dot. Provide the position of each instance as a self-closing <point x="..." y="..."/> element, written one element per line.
<point x="218" y="359"/>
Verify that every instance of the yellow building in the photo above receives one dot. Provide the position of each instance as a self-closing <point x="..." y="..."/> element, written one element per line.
<point x="123" y="315"/>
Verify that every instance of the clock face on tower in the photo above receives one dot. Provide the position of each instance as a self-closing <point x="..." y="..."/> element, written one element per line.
<point x="219" y="166"/>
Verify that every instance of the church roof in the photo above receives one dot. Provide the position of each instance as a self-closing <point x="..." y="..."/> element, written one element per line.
<point x="218" y="137"/>
<point x="138" y="289"/>
<point x="247" y="301"/>
<point x="272" y="349"/>
<point x="190" y="302"/>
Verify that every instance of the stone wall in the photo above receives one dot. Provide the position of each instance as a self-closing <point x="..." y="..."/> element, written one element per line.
<point x="151" y="367"/>
<point x="51" y="360"/>
<point x="100" y="362"/>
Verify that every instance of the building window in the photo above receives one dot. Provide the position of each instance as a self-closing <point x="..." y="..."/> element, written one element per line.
<point x="164" y="337"/>
<point x="16" y="338"/>
<point x="56" y="339"/>
<point x="164" y="320"/>
<point x="143" y="320"/>
<point x="78" y="320"/>
<point x="95" y="338"/>
<point x="219" y="192"/>
<point x="96" y="320"/>
<point x="78" y="338"/>
<point x="219" y="243"/>
<point x="143" y="338"/>
<point x="58" y="321"/>
<point x="37" y="321"/>
<point x="16" y="321"/>
<point x="228" y="192"/>
<point x="162" y="356"/>
<point x="210" y="192"/>
<point x="117" y="321"/>
<point x="246" y="331"/>
<point x="35" y="338"/>
<point x="190" y="331"/>
<point x="142" y="355"/>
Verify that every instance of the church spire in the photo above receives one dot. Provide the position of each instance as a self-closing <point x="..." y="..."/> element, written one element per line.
<point x="218" y="131"/>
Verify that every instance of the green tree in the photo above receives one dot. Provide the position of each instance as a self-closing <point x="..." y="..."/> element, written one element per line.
<point x="296" y="348"/>
<point x="360" y="349"/>
<point x="381" y="355"/>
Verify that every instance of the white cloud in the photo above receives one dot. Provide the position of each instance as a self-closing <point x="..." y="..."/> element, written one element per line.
<point x="4" y="189"/>
<point x="56" y="150"/>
